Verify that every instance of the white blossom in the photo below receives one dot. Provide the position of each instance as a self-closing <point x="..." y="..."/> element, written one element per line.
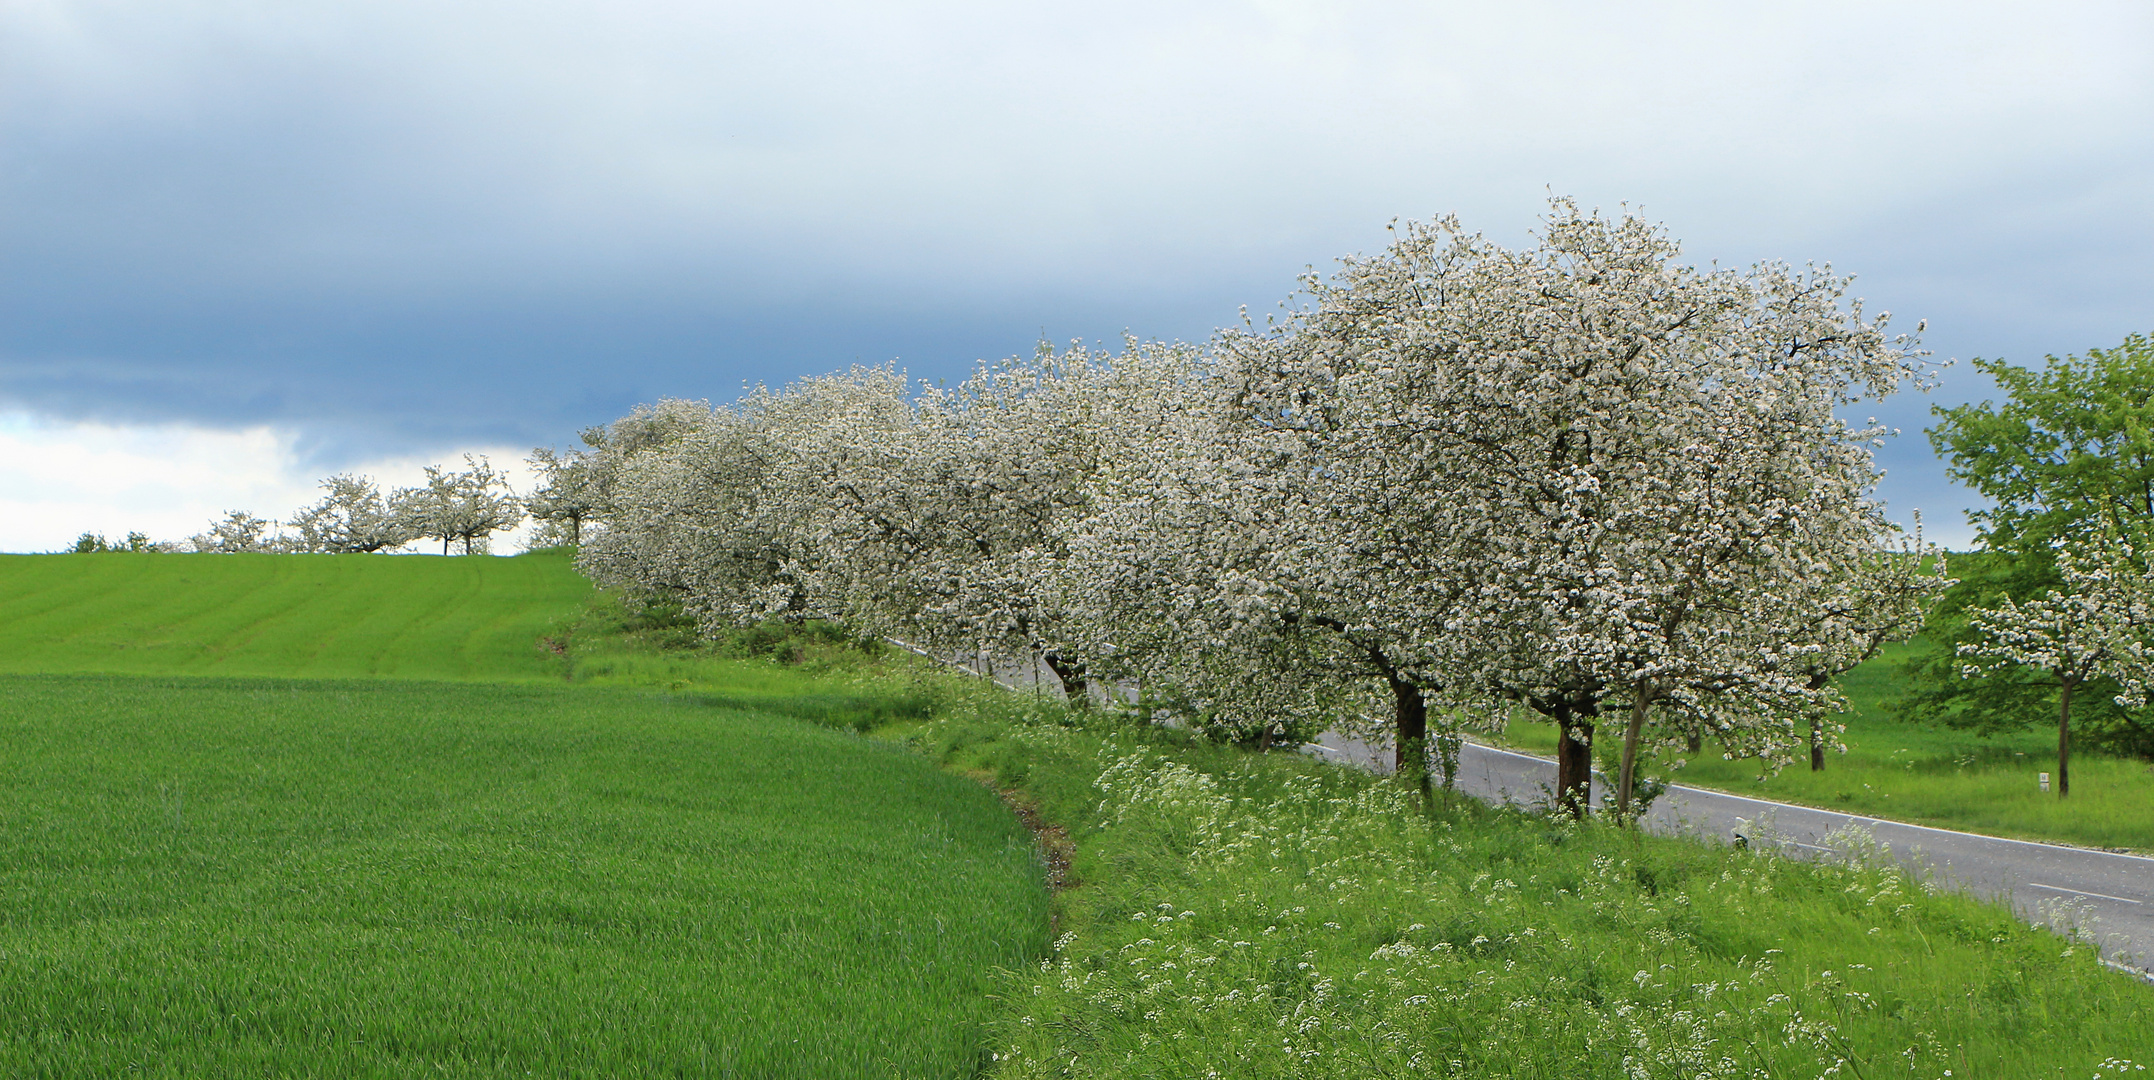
<point x="2095" y="627"/>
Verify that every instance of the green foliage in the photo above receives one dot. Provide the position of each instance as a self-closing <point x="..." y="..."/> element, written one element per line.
<point x="1244" y="915"/>
<point x="659" y="623"/>
<point x="287" y="615"/>
<point x="210" y="877"/>
<point x="2070" y="449"/>
<point x="1233" y="728"/>
<point x="1900" y="767"/>
<point x="90" y="543"/>
<point x="2068" y="453"/>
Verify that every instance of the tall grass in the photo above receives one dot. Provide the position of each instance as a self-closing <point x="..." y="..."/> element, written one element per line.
<point x="1265" y="915"/>
<point x="211" y="877"/>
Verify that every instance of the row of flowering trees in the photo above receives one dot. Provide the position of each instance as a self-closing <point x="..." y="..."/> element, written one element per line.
<point x="1453" y="481"/>
<point x="354" y="515"/>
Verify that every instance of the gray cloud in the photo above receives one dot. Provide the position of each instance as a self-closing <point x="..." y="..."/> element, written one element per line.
<point x="393" y="221"/>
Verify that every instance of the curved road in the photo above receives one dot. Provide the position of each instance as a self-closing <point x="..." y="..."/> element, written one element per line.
<point x="2109" y="895"/>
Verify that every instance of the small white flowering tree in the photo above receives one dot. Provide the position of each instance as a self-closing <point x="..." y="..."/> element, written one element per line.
<point x="1854" y="613"/>
<point x="239" y="531"/>
<point x="568" y="496"/>
<point x="2095" y="627"/>
<point x="467" y="506"/>
<point x="352" y="516"/>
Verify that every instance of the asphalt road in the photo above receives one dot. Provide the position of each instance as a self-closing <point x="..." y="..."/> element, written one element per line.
<point x="2109" y="895"/>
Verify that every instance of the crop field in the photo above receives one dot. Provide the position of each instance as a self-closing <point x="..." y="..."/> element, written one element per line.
<point x="394" y="877"/>
<point x="1933" y="775"/>
<point x="301" y="616"/>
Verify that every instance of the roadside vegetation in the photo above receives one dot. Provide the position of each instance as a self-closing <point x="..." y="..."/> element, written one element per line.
<point x="1241" y="914"/>
<point x="1227" y="912"/>
<point x="1902" y="769"/>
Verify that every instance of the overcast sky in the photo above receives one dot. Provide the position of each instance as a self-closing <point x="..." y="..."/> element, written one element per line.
<point x="243" y="245"/>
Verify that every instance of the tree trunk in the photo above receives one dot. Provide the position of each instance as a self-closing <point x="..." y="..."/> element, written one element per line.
<point x="1817" y="744"/>
<point x="2064" y="743"/>
<point x="1693" y="743"/>
<point x="1574" y="762"/>
<point x="1075" y="687"/>
<point x="1627" y="776"/>
<point x="1410" y="732"/>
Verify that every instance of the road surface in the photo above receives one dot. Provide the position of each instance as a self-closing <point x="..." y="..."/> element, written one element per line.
<point x="2109" y="895"/>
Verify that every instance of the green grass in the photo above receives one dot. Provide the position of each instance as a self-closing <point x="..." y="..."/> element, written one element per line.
<point x="209" y="877"/>
<point x="1272" y="916"/>
<point x="1930" y="775"/>
<point x="638" y="860"/>
<point x="301" y="616"/>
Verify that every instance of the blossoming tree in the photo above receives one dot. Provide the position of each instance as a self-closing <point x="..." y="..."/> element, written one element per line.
<point x="2094" y="627"/>
<point x="1584" y="475"/>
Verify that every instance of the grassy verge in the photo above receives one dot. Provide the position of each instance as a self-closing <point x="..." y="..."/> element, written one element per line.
<point x="1932" y="775"/>
<point x="1267" y="915"/>
<point x="207" y="877"/>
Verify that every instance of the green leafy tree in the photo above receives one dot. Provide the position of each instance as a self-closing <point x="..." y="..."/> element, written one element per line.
<point x="2066" y="457"/>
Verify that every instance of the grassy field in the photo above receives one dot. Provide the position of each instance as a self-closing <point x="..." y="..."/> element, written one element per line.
<point x="640" y="861"/>
<point x="1933" y="775"/>
<point x="510" y="874"/>
<point x="301" y="616"/>
<point x="1274" y="916"/>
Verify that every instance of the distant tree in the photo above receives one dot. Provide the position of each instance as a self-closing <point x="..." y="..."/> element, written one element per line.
<point x="2068" y="455"/>
<point x="134" y="541"/>
<point x="239" y="531"/>
<point x="351" y="517"/>
<point x="2094" y="628"/>
<point x="468" y="506"/>
<point x="1865" y="605"/>
<point x="2069" y="452"/>
<point x="569" y="492"/>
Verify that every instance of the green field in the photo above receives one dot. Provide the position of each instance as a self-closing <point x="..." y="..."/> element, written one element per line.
<point x="214" y="876"/>
<point x="614" y="856"/>
<point x="1933" y="775"/>
<point x="298" y="616"/>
